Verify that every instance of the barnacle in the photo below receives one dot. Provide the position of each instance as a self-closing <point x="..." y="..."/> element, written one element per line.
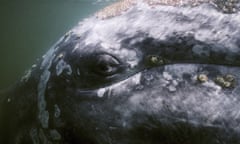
<point x="227" y="84"/>
<point x="229" y="78"/>
<point x="155" y="60"/>
<point x="226" y="81"/>
<point x="202" y="78"/>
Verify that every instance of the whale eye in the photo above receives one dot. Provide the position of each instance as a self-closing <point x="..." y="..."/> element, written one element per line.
<point x="106" y="65"/>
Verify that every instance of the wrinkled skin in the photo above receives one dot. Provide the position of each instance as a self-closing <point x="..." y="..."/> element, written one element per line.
<point x="133" y="79"/>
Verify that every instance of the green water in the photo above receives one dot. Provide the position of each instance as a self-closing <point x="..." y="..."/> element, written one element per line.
<point x="30" y="27"/>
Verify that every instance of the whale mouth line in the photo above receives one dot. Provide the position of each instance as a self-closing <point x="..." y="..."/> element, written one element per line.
<point x="210" y="64"/>
<point x="121" y="79"/>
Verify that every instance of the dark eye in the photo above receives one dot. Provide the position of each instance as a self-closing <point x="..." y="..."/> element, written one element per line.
<point x="106" y="65"/>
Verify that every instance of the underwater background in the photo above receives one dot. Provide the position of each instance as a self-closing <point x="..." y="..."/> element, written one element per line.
<point x="28" y="28"/>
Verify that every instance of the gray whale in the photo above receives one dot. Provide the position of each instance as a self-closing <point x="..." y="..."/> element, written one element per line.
<point x="137" y="72"/>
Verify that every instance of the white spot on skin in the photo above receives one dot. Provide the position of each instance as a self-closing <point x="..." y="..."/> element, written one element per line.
<point x="164" y="83"/>
<point x="212" y="85"/>
<point x="132" y="64"/>
<point x="26" y="76"/>
<point x="124" y="124"/>
<point x="76" y="47"/>
<point x="33" y="66"/>
<point x="167" y="76"/>
<point x="8" y="100"/>
<point x="61" y="66"/>
<point x="78" y="72"/>
<point x="67" y="39"/>
<point x="172" y="88"/>
<point x="67" y="36"/>
<point x="137" y="78"/>
<point x="130" y="56"/>
<point x="60" y="56"/>
<point x="106" y="45"/>
<point x="101" y="92"/>
<point x="175" y="82"/>
<point x="57" y="111"/>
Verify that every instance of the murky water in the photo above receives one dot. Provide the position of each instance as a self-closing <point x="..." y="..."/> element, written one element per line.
<point x="30" y="27"/>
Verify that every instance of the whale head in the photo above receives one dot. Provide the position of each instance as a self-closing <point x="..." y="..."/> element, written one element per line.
<point x="137" y="72"/>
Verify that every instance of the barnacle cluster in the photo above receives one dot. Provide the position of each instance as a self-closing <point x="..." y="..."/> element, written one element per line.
<point x="226" y="81"/>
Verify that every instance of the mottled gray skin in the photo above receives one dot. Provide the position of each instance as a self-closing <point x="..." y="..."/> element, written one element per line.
<point x="100" y="85"/>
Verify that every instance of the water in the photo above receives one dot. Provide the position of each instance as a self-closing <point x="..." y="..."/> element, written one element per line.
<point x="30" y="27"/>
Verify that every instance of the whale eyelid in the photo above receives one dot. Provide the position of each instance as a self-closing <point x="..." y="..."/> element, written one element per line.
<point x="109" y="58"/>
<point x="107" y="65"/>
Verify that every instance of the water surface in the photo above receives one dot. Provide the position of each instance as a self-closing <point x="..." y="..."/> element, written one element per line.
<point x="30" y="27"/>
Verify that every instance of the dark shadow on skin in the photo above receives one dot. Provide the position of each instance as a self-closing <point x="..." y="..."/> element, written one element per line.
<point x="18" y="112"/>
<point x="154" y="132"/>
<point x="178" y="48"/>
